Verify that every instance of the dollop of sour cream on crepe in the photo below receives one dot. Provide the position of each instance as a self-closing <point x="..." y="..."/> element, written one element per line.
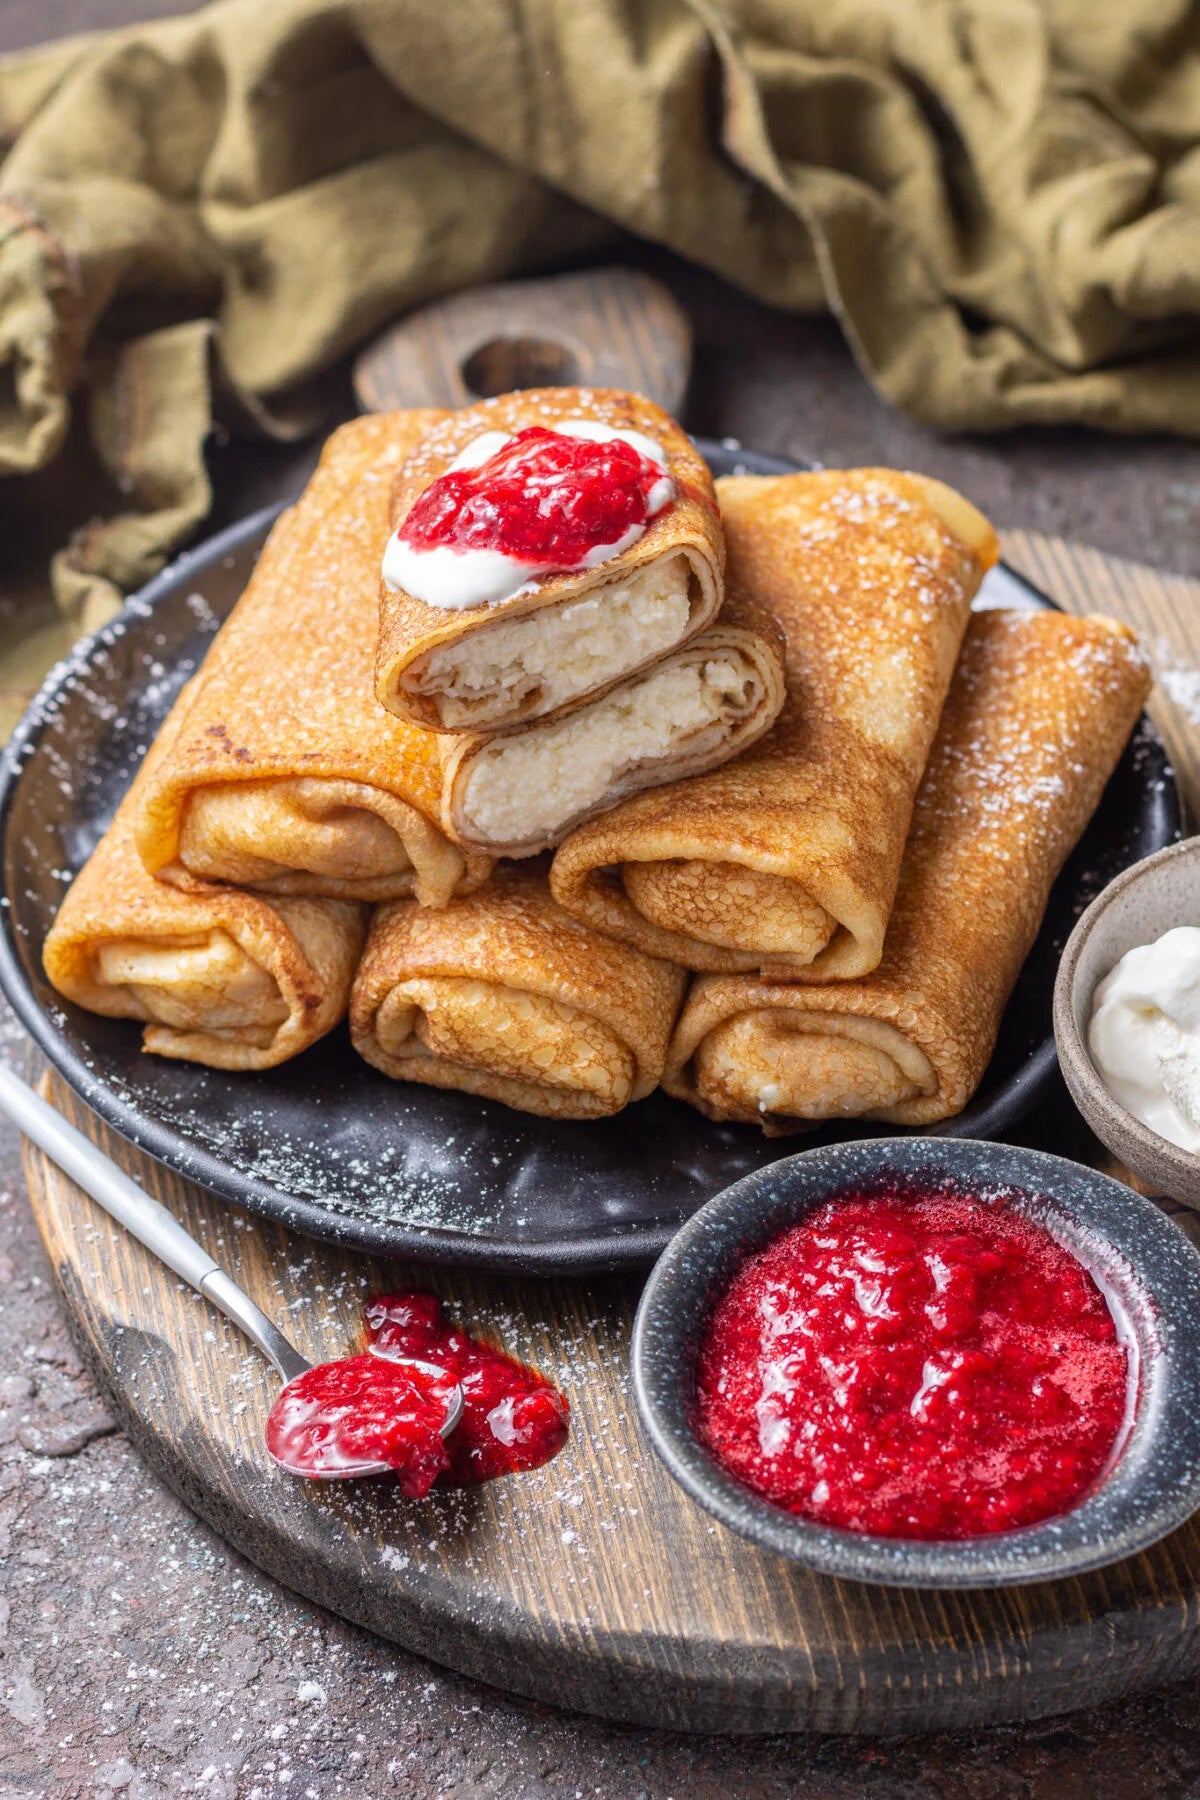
<point x="512" y="508"/>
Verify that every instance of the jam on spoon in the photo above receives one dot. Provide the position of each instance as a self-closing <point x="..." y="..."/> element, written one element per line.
<point x="397" y="1407"/>
<point x="364" y="1414"/>
<point x="361" y="1416"/>
<point x="914" y="1364"/>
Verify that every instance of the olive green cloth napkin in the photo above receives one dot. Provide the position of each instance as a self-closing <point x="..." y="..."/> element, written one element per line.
<point x="1000" y="202"/>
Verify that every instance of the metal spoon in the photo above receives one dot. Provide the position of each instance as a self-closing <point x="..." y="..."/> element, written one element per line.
<point x="152" y="1225"/>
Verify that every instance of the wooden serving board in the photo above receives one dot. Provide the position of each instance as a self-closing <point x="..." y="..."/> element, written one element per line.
<point x="594" y="1583"/>
<point x="594" y="328"/>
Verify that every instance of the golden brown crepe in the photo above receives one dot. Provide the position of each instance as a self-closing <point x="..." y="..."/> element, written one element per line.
<point x="787" y="859"/>
<point x="501" y="994"/>
<point x="522" y="791"/>
<point x="216" y="976"/>
<point x="572" y="636"/>
<point x="289" y="778"/>
<point x="1038" y="713"/>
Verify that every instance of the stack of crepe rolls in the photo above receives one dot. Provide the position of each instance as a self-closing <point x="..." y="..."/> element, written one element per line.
<point x="1038" y="714"/>
<point x="787" y="859"/>
<point x="287" y="777"/>
<point x="215" y="975"/>
<point x="558" y="702"/>
<point x="501" y="994"/>
<point x="564" y="638"/>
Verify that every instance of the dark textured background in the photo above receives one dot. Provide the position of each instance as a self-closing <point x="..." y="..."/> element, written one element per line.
<point x="141" y="1658"/>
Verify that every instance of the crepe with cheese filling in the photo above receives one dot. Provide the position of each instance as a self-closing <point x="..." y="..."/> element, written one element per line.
<point x="215" y="975"/>
<point x="787" y="859"/>
<point x="289" y="778"/>
<point x="1038" y="714"/>
<point x="501" y="994"/>
<point x="563" y="637"/>
<point x="523" y="791"/>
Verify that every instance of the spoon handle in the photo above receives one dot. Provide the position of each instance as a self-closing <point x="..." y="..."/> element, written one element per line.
<point x="143" y="1217"/>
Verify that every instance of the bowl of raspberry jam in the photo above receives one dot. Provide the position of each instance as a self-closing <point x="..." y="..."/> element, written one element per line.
<point x="929" y="1362"/>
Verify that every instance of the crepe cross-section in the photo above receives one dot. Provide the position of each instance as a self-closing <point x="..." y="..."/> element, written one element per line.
<point x="288" y="776"/>
<point x="1038" y="714"/>
<point x="788" y="858"/>
<point x="216" y="976"/>
<point x="563" y="637"/>
<point x="522" y="791"/>
<point x="501" y="994"/>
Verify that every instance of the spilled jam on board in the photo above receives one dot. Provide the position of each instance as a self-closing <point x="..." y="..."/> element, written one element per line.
<point x="375" y="1408"/>
<point x="922" y="1365"/>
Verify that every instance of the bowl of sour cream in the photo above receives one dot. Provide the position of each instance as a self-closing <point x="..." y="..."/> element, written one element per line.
<point x="1127" y="1019"/>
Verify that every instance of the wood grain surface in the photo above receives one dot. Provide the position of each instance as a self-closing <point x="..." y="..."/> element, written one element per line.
<point x="599" y="328"/>
<point x="594" y="1583"/>
<point x="1163" y="609"/>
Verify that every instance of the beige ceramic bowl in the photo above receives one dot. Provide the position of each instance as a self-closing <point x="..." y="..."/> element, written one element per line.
<point x="1136" y="908"/>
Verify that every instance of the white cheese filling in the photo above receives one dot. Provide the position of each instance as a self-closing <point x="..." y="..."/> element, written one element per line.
<point x="529" y="666"/>
<point x="456" y="580"/>
<point x="534" y="786"/>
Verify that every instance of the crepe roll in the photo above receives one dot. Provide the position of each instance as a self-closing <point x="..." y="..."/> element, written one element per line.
<point x="786" y="860"/>
<point x="501" y="994"/>
<point x="547" y="545"/>
<point x="522" y="791"/>
<point x="289" y="778"/>
<point x="214" y="975"/>
<point x="1038" y="714"/>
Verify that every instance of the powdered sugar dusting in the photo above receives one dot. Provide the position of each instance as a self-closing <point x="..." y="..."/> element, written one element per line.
<point x="1179" y="681"/>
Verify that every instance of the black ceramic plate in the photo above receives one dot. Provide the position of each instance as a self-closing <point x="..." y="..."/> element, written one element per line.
<point x="326" y="1143"/>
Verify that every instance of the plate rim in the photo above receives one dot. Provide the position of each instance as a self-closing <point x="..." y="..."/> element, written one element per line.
<point x="619" y="1247"/>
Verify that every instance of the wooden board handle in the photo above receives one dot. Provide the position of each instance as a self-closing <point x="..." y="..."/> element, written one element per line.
<point x="599" y="328"/>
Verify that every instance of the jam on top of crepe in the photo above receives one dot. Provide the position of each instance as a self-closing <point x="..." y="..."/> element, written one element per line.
<point x="380" y="1408"/>
<point x="541" y="501"/>
<point x="909" y="1364"/>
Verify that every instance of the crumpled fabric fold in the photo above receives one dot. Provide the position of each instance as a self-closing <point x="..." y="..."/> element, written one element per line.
<point x="998" y="200"/>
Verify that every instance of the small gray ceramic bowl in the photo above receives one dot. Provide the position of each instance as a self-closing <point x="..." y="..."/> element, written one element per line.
<point x="1149" y="1273"/>
<point x="1152" y="897"/>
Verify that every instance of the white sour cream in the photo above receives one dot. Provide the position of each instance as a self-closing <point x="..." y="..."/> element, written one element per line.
<point x="456" y="580"/>
<point x="1144" y="1035"/>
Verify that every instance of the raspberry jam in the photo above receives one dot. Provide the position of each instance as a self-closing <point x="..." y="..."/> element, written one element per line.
<point x="512" y="1419"/>
<point x="373" y="1409"/>
<point x="921" y="1365"/>
<point x="338" y="1416"/>
<point x="544" y="498"/>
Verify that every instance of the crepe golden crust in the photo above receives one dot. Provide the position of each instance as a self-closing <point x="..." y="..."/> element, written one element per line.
<point x="289" y="778"/>
<point x="215" y="975"/>
<point x="411" y="632"/>
<point x="786" y="860"/>
<point x="501" y="994"/>
<point x="638" y="735"/>
<point x="1037" y="716"/>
